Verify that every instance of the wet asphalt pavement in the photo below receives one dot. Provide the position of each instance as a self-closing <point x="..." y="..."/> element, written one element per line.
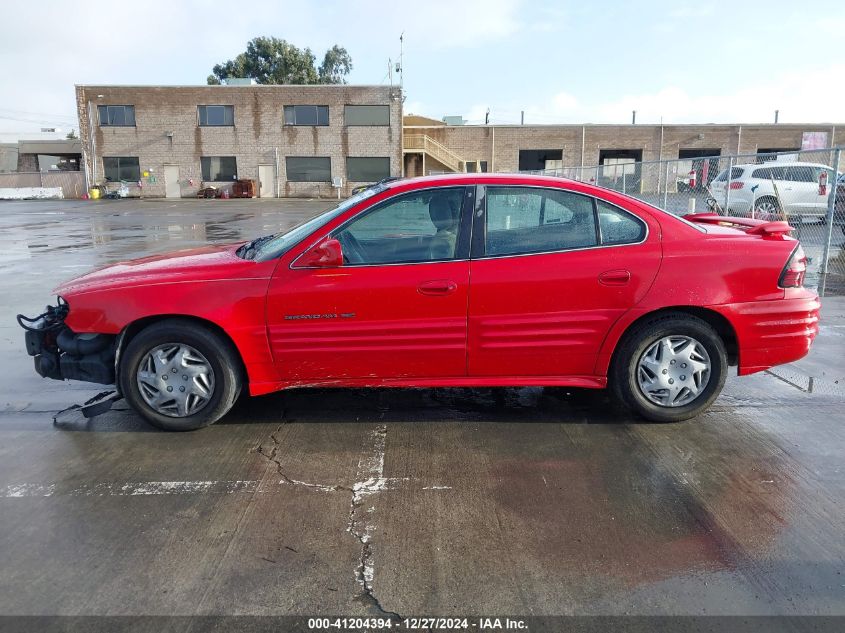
<point x="432" y="501"/>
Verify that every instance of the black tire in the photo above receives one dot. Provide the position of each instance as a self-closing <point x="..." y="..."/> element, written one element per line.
<point x="220" y="354"/>
<point x="623" y="373"/>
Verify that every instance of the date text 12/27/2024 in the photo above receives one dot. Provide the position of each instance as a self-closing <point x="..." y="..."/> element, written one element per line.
<point x="413" y="624"/>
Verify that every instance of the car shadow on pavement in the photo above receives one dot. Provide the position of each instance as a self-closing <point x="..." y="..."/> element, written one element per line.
<point x="508" y="405"/>
<point x="502" y="405"/>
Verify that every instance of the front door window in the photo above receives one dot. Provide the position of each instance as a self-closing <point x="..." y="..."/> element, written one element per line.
<point x="421" y="226"/>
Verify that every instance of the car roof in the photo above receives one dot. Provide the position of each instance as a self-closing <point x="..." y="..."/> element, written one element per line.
<point x="781" y="163"/>
<point x="465" y="179"/>
<point x="518" y="179"/>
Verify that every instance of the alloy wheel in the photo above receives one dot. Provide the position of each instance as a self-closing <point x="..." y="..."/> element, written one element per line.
<point x="767" y="207"/>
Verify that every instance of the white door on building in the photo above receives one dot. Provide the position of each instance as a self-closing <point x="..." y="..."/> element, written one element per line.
<point x="267" y="181"/>
<point x="172" y="189"/>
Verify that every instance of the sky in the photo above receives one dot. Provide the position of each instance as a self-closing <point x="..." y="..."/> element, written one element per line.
<point x="558" y="61"/>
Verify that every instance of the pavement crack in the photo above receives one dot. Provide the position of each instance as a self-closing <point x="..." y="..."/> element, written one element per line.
<point x="361" y="529"/>
<point x="370" y="480"/>
<point x="272" y="455"/>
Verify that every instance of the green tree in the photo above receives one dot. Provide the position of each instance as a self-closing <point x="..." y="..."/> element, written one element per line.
<point x="270" y="60"/>
<point x="71" y="135"/>
<point x="336" y="65"/>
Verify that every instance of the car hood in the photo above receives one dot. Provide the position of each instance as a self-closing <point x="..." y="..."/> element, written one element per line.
<point x="207" y="263"/>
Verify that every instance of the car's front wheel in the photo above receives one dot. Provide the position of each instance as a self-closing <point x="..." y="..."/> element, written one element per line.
<point x="180" y="375"/>
<point x="670" y="368"/>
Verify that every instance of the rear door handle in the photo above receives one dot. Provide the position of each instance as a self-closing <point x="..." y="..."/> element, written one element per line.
<point x="437" y="287"/>
<point x="614" y="277"/>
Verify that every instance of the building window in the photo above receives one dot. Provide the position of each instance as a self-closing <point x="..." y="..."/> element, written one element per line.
<point x="219" y="168"/>
<point x="216" y="115"/>
<point x="117" y="168"/>
<point x="309" y="168"/>
<point x="117" y="115"/>
<point x="538" y="159"/>
<point x="367" y="115"/>
<point x="483" y="165"/>
<point x="306" y="115"/>
<point x="367" y="169"/>
<point x="471" y="166"/>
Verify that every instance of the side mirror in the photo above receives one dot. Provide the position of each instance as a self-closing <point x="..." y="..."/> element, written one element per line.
<point x="326" y="254"/>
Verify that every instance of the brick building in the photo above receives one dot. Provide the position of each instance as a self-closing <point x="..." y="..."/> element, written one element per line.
<point x="295" y="140"/>
<point x="433" y="147"/>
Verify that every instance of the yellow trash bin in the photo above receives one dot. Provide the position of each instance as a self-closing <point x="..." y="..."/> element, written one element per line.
<point x="94" y="193"/>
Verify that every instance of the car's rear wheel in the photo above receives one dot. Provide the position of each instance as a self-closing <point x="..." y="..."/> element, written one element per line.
<point x="670" y="368"/>
<point x="180" y="375"/>
<point x="766" y="208"/>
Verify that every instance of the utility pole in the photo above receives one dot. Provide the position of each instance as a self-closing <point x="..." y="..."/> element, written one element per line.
<point x="633" y="117"/>
<point x="777" y="114"/>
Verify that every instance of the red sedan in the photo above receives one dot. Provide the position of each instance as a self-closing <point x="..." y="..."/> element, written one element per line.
<point x="457" y="280"/>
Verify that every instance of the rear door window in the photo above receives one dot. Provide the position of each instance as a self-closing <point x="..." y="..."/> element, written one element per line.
<point x="770" y="173"/>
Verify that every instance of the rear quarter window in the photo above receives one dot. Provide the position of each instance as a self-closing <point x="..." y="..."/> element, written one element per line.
<point x="618" y="226"/>
<point x="736" y="172"/>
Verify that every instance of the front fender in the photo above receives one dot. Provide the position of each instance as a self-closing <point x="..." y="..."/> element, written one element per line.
<point x="235" y="306"/>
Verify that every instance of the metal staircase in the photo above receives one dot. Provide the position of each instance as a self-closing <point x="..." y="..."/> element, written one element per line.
<point x="424" y="144"/>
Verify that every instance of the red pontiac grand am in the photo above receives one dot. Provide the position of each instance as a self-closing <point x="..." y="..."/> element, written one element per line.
<point x="457" y="280"/>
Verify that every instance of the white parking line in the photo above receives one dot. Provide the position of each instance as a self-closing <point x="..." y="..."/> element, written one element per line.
<point x="361" y="489"/>
<point x="131" y="489"/>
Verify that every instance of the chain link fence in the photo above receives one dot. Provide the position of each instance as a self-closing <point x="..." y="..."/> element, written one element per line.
<point x="803" y="187"/>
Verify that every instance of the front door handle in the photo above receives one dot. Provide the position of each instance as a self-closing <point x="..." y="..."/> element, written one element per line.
<point x="614" y="277"/>
<point x="437" y="287"/>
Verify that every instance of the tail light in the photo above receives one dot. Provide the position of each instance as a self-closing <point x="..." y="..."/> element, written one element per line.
<point x="793" y="273"/>
<point x="736" y="184"/>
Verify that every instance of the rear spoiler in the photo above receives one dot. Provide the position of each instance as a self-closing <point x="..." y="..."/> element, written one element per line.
<point x="751" y="226"/>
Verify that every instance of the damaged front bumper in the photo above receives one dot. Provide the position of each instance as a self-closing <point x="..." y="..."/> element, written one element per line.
<point x="61" y="354"/>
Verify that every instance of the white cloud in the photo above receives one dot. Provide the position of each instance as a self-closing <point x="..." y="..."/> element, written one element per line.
<point x="161" y="42"/>
<point x="49" y="49"/>
<point x="45" y="54"/>
<point x="812" y="96"/>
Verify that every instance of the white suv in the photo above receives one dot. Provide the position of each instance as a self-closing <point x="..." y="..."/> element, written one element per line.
<point x="766" y="190"/>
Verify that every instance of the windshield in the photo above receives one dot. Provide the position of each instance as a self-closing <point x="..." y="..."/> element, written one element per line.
<point x="280" y="243"/>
